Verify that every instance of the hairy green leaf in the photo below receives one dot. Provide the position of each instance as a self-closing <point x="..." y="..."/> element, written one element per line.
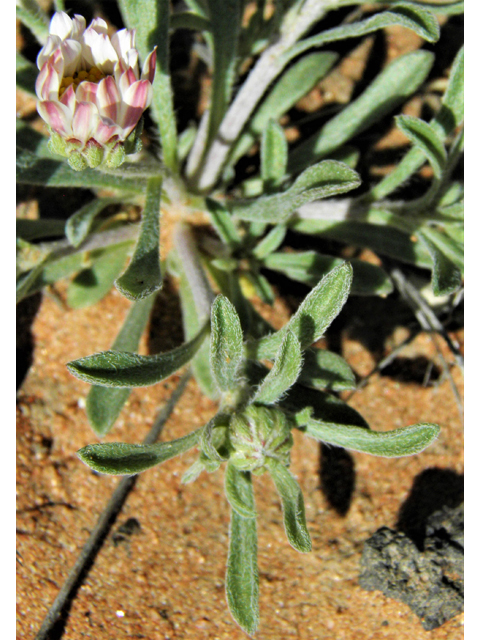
<point x="105" y="403"/>
<point x="327" y="178"/>
<point x="273" y="155"/>
<point x="236" y="493"/>
<point x="400" y="79"/>
<point x="270" y="242"/>
<point x="242" y="583"/>
<point x="324" y="369"/>
<point x="405" y="441"/>
<point x="313" y="316"/>
<point x="79" y="224"/>
<point x="309" y="267"/>
<point x="226" y="344"/>
<point x="424" y="136"/>
<point x="118" y="458"/>
<point x="292" y="504"/>
<point x="284" y="373"/>
<point x="143" y="276"/>
<point x="122" y="369"/>
<point x="92" y="284"/>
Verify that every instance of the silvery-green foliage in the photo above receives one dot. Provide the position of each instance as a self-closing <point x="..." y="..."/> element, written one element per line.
<point x="266" y="382"/>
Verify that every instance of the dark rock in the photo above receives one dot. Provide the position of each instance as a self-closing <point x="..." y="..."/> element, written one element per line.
<point x="429" y="581"/>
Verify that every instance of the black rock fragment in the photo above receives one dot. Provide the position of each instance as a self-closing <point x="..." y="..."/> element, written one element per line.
<point x="429" y="581"/>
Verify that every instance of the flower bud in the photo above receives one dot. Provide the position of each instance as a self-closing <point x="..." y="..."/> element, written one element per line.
<point x="258" y="433"/>
<point x="91" y="92"/>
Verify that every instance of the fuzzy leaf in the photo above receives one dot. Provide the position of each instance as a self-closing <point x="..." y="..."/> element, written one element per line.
<point x="270" y="242"/>
<point x="103" y="403"/>
<point x="324" y="369"/>
<point x="284" y="373"/>
<point x="118" y="458"/>
<point x="226" y="344"/>
<point x="404" y="14"/>
<point x="122" y="369"/>
<point x="92" y="284"/>
<point x="242" y="571"/>
<point x="223" y="223"/>
<point x="327" y="178"/>
<point x="313" y="316"/>
<point x="424" y="136"/>
<point x="391" y="87"/>
<point x="405" y="441"/>
<point x="382" y="239"/>
<point x="293" y="506"/>
<point x="236" y="493"/>
<point x="143" y="276"/>
<point x="273" y="155"/>
<point x="309" y="267"/>
<point x="79" y="224"/>
<point x="26" y="74"/>
<point x="446" y="277"/>
<point x="287" y="90"/>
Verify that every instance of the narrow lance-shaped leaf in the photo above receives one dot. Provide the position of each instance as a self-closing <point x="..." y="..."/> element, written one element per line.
<point x="34" y="17"/>
<point x="103" y="403"/>
<point x="449" y="116"/>
<point x="143" y="276"/>
<point x="391" y="87"/>
<point x="223" y="224"/>
<point x="273" y="155"/>
<point x="446" y="277"/>
<point x="92" y="284"/>
<point x="119" y="458"/>
<point x="207" y="443"/>
<point x="54" y="173"/>
<point x="404" y="14"/>
<point x="422" y="135"/>
<point x="235" y="492"/>
<point x="284" y="373"/>
<point x="270" y="242"/>
<point x="226" y="21"/>
<point x="242" y="583"/>
<point x="152" y="30"/>
<point x="297" y="81"/>
<point x="323" y="369"/>
<point x="120" y="369"/>
<point x="226" y="344"/>
<point x="313" y="316"/>
<point x="79" y="224"/>
<point x="405" y="441"/>
<point x="327" y="178"/>
<point x="292" y="505"/>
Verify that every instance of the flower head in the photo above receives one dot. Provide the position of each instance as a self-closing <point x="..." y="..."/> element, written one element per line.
<point x="90" y="91"/>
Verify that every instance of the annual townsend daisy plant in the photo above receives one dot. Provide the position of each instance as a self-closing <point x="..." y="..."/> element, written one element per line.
<point x="91" y="96"/>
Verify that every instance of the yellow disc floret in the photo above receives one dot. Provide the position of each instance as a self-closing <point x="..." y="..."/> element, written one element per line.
<point x="93" y="75"/>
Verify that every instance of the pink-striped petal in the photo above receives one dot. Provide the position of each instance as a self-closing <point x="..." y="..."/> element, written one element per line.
<point x="52" y="43"/>
<point x="48" y="81"/>
<point x="108" y="98"/>
<point x="87" y="92"/>
<point x="84" y="121"/>
<point x="56" y="115"/>
<point x="148" y="71"/>
<point x="136" y="99"/>
<point x="106" y="130"/>
<point x="61" y="25"/>
<point x="127" y="79"/>
<point x="69" y="99"/>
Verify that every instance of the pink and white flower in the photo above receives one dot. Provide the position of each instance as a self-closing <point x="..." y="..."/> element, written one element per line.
<point x="90" y="91"/>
